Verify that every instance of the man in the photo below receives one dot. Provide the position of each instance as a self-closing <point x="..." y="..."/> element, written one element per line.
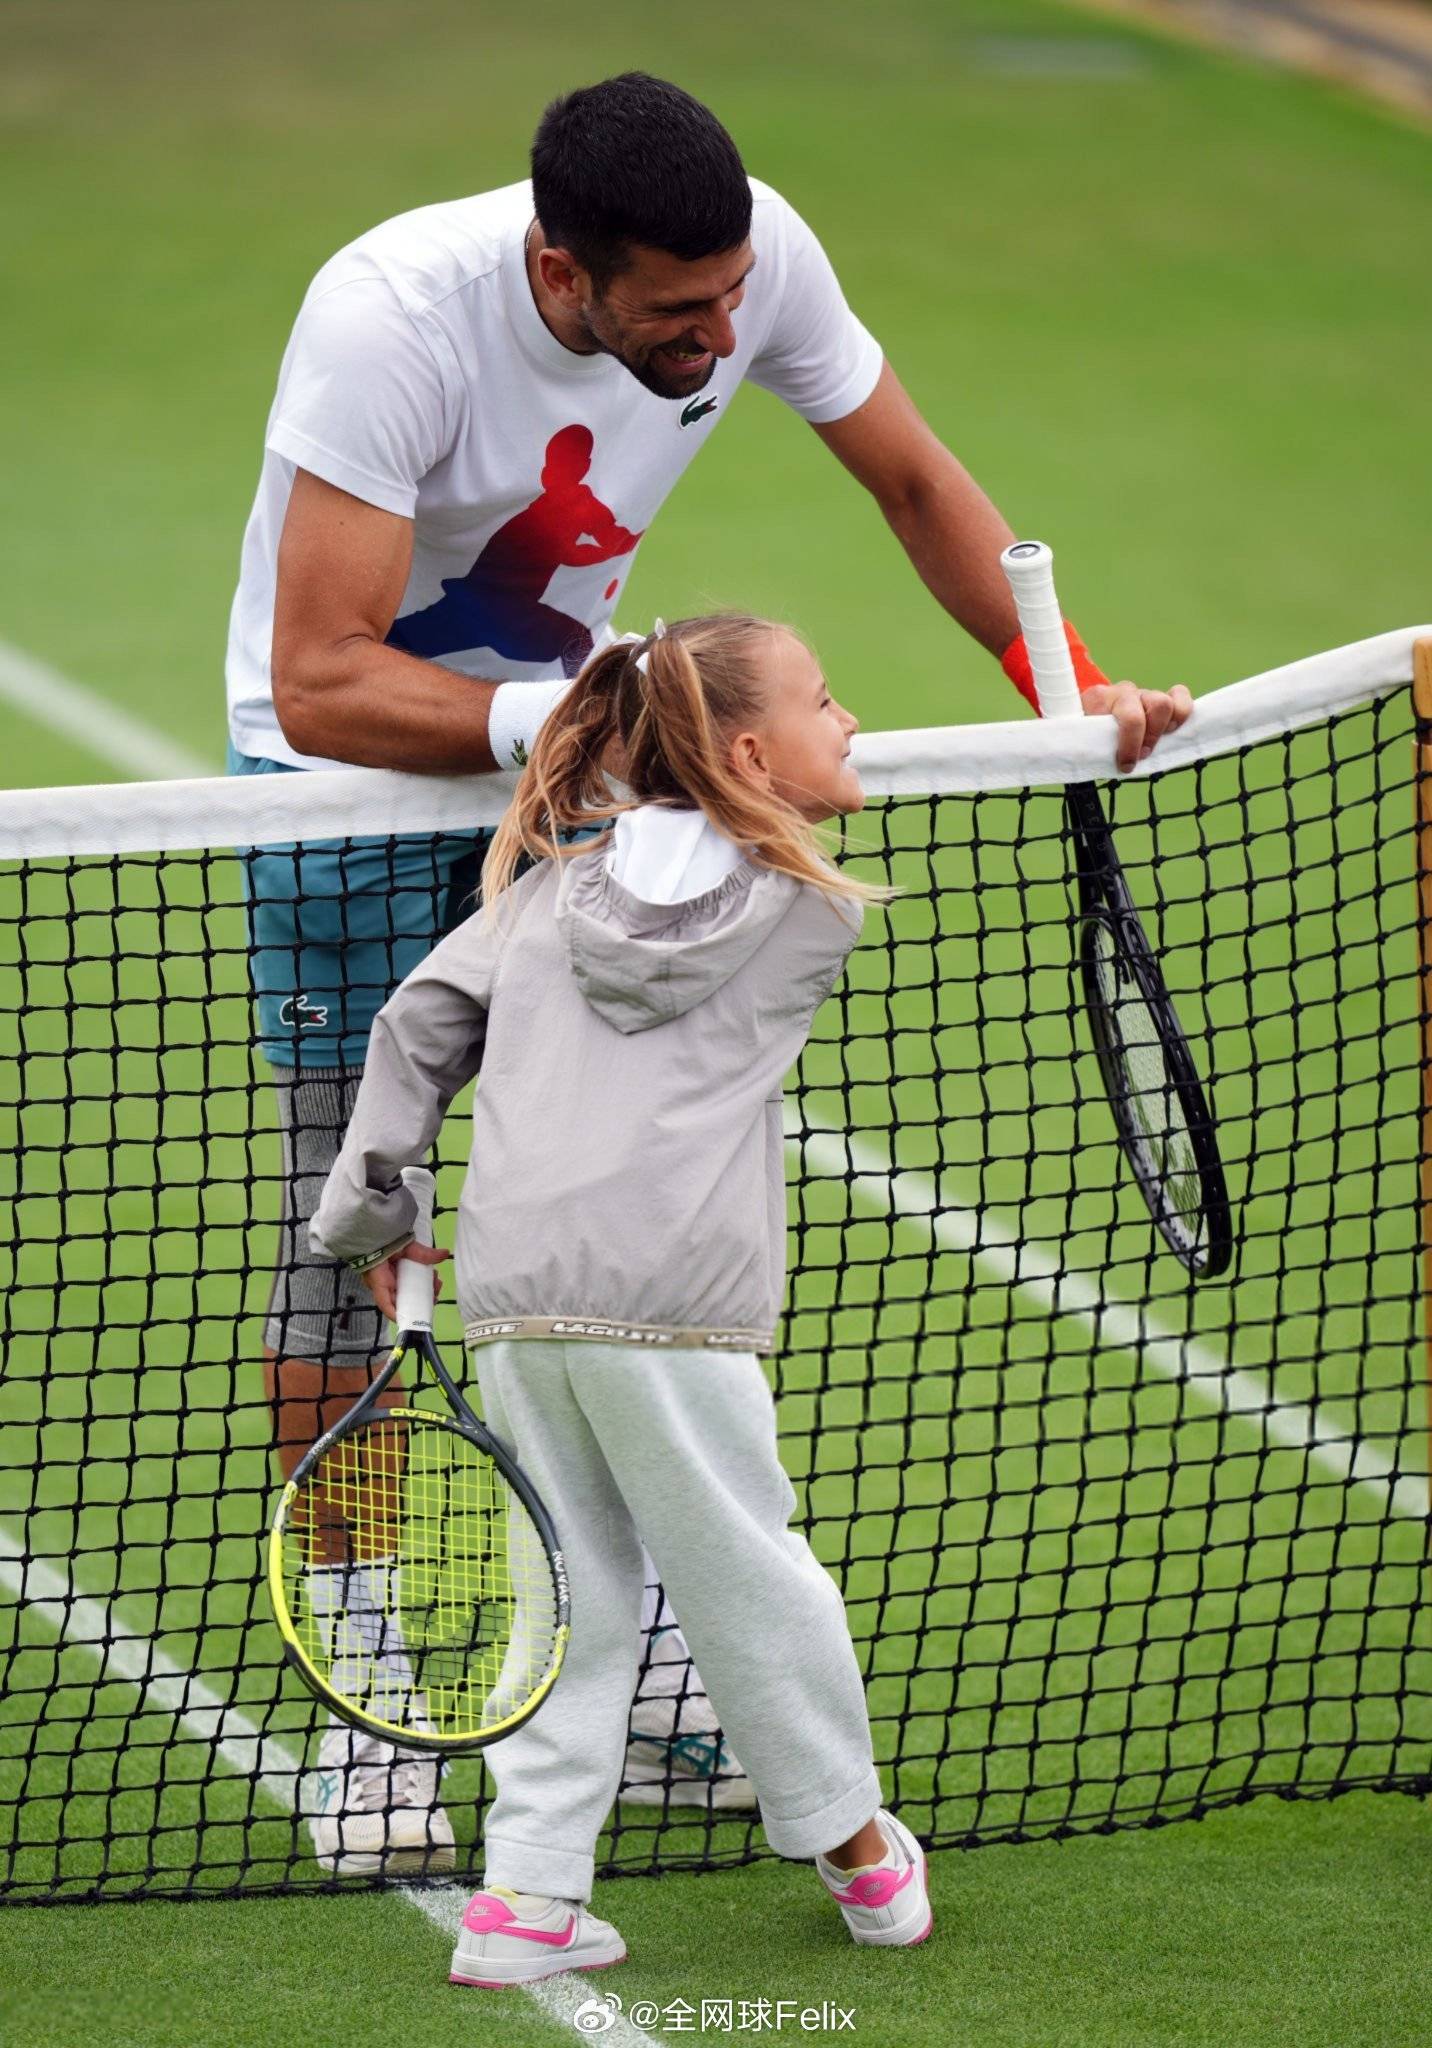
<point x="482" y="407"/>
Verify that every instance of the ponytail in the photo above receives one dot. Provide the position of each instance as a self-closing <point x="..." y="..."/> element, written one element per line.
<point x="564" y="786"/>
<point x="667" y="705"/>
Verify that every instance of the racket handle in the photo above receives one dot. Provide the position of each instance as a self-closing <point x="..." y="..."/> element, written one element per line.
<point x="415" y="1281"/>
<point x="1029" y="565"/>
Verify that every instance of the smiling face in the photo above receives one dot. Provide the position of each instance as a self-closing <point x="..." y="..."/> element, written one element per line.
<point x="802" y="750"/>
<point x="666" y="321"/>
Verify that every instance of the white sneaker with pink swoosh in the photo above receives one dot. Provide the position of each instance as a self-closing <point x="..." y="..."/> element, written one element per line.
<point x="515" y="1938"/>
<point x="885" y="1904"/>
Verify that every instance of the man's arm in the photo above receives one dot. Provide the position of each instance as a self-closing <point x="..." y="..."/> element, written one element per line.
<point x="337" y="690"/>
<point x="938" y="513"/>
<point x="954" y="537"/>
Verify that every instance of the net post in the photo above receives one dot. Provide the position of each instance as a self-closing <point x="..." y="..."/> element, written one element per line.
<point x="1422" y="798"/>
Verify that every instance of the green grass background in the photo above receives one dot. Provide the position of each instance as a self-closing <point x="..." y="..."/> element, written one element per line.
<point x="1174" y="319"/>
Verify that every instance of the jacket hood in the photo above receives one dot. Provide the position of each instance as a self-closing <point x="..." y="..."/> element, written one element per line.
<point x="640" y="964"/>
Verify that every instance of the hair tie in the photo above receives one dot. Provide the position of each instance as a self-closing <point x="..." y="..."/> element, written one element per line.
<point x="658" y="632"/>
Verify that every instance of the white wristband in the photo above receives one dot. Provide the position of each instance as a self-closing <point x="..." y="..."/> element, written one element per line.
<point x="517" y="714"/>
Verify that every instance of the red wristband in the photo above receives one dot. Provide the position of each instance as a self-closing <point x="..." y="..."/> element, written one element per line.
<point x="1015" y="663"/>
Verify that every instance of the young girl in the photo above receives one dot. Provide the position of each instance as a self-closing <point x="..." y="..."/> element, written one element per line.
<point x="635" y="1002"/>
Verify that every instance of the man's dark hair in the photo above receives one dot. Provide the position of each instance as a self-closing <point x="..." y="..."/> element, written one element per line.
<point x="637" y="160"/>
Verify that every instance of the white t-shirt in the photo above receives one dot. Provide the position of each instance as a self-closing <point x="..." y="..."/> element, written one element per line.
<point x="421" y="378"/>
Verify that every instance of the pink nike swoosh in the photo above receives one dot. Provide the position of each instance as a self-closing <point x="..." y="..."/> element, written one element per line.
<point x="486" y="1915"/>
<point x="875" y="1888"/>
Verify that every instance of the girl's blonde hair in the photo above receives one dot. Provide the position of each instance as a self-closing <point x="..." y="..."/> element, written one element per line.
<point x="672" y="702"/>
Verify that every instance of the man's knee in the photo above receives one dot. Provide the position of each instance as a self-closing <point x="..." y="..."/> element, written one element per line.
<point x="318" y="1308"/>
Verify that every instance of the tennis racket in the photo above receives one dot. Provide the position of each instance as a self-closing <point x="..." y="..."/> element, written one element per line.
<point x="415" y="1575"/>
<point x="1165" y="1126"/>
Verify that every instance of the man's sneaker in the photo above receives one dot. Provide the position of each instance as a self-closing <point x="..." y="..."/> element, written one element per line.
<point x="677" y="1755"/>
<point x="885" y="1904"/>
<point x="373" y="1810"/>
<point x="515" y="1938"/>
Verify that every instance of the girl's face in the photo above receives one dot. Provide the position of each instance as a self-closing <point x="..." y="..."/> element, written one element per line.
<point x="802" y="751"/>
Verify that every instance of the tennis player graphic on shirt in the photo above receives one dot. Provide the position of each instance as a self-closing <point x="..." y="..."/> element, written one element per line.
<point x="482" y="407"/>
<point x="499" y="602"/>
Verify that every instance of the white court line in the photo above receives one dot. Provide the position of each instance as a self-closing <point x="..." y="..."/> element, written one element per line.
<point x="80" y="714"/>
<point x="558" y="1997"/>
<point x="132" y="744"/>
<point x="911" y="1199"/>
<point x="161" y="1684"/>
<point x="226" y="1731"/>
<point x="914" y="1202"/>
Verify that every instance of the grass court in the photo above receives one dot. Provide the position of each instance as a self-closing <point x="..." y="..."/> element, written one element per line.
<point x="1190" y="360"/>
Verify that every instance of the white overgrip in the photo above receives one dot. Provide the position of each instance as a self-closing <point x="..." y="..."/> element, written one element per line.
<point x="1029" y="565"/>
<point x="415" y="1281"/>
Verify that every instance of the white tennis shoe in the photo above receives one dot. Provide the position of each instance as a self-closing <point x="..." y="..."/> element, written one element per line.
<point x="373" y="1810"/>
<point x="516" y="1938"/>
<point x="885" y="1904"/>
<point x="677" y="1754"/>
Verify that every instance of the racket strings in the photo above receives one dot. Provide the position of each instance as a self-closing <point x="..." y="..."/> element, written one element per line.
<point x="419" y="1586"/>
<point x="1147" y="1100"/>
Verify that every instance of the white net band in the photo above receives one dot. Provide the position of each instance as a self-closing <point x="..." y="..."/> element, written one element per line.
<point x="934" y="760"/>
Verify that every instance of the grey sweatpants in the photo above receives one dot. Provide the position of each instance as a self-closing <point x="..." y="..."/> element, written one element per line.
<point x="677" y="1450"/>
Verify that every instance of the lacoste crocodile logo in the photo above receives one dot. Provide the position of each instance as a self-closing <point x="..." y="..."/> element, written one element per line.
<point x="696" y="409"/>
<point x="300" y="1011"/>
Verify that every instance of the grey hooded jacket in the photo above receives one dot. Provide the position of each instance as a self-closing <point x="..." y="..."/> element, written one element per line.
<point x="627" y="1178"/>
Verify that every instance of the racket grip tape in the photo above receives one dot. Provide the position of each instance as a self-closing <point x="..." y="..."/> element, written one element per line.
<point x="415" y="1281"/>
<point x="1029" y="566"/>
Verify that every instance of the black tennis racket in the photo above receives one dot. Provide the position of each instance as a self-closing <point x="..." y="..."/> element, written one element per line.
<point x="415" y="1575"/>
<point x="1164" y="1122"/>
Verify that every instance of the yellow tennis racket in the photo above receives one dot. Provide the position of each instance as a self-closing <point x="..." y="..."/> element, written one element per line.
<point x="415" y="1575"/>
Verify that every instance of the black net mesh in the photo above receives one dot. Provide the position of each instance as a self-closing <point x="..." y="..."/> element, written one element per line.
<point x="1116" y="1547"/>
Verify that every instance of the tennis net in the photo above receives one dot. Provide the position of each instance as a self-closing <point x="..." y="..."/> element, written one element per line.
<point x="1117" y="1546"/>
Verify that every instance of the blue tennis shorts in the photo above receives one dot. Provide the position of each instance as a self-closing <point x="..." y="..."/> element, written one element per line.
<point x="336" y="924"/>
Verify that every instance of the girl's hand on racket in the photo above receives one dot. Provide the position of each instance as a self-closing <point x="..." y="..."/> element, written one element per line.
<point x="381" y="1280"/>
<point x="1143" y="716"/>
